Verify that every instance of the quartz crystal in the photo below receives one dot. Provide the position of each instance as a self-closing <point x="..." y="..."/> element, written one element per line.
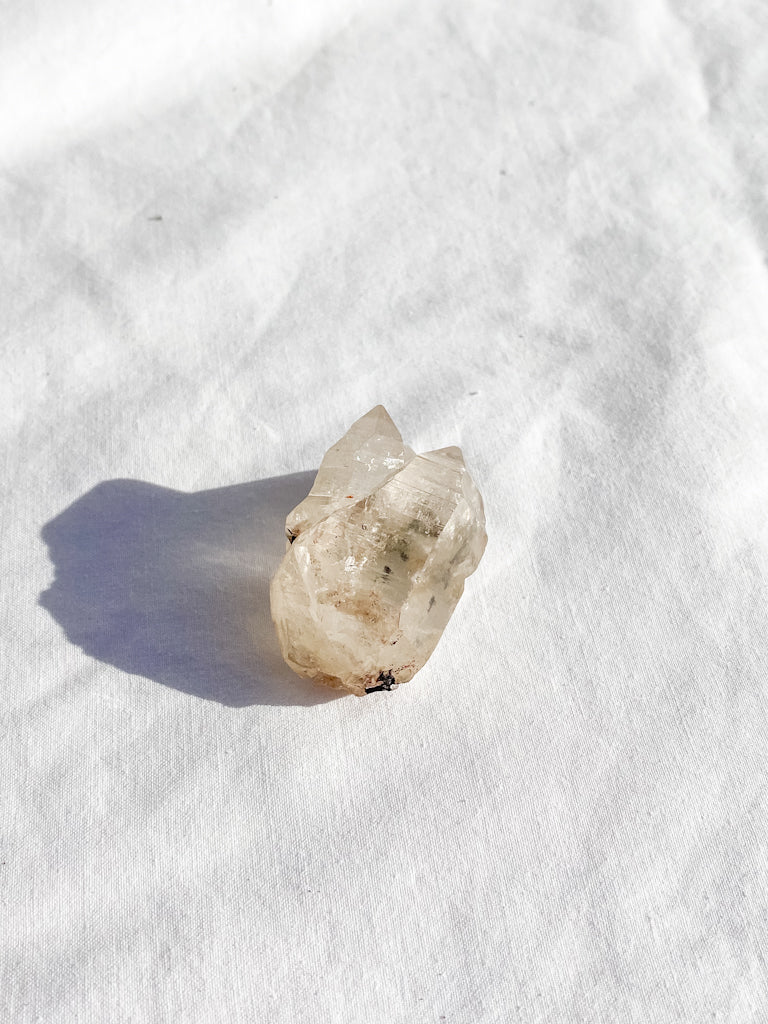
<point x="376" y="558"/>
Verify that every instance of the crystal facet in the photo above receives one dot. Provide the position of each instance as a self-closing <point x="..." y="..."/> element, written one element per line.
<point x="376" y="558"/>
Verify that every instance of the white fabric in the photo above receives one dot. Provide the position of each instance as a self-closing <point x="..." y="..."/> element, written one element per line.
<point x="535" y="229"/>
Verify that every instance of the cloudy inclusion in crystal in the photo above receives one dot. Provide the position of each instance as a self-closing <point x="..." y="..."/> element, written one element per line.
<point x="376" y="559"/>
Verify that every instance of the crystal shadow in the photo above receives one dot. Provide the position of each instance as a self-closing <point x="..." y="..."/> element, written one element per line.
<point x="174" y="586"/>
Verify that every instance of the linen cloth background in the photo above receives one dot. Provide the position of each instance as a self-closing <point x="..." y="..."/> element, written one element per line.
<point x="534" y="229"/>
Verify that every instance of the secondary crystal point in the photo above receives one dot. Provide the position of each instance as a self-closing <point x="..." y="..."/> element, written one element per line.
<point x="376" y="558"/>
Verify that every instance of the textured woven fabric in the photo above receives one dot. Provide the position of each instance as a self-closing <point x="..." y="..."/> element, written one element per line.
<point x="535" y="229"/>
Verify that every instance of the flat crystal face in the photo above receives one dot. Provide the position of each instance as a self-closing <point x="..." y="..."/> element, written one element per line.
<point x="376" y="558"/>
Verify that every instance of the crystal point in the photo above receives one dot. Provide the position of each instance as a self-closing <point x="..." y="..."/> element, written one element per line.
<point x="376" y="559"/>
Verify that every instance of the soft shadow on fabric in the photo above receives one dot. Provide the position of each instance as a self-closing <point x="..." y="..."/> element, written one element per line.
<point x="175" y="586"/>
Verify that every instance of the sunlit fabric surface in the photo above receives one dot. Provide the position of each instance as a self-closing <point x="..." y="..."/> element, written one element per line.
<point x="536" y="230"/>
